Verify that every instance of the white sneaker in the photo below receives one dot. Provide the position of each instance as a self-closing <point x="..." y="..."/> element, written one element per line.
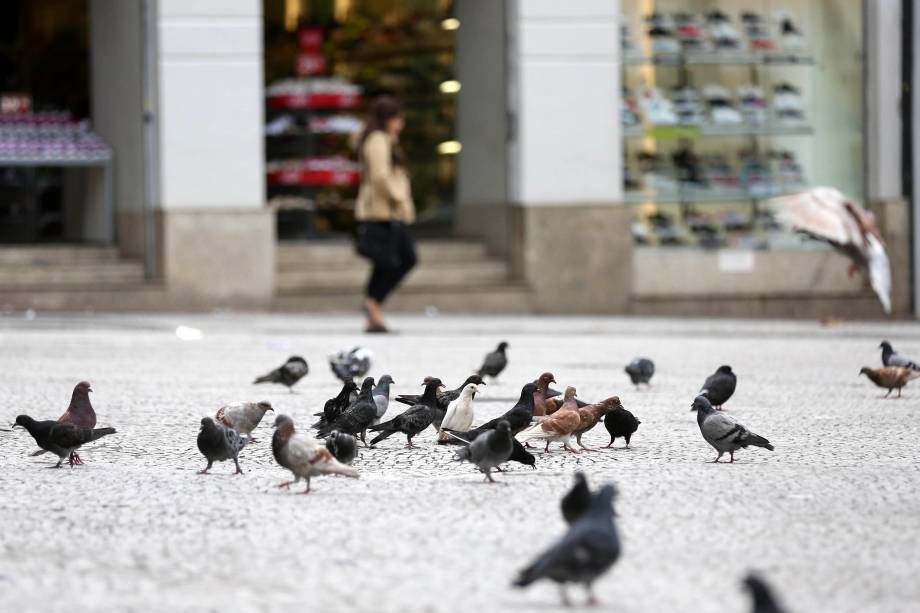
<point x="656" y="108"/>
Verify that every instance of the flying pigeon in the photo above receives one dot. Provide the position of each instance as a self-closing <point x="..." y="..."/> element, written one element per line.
<point x="762" y="600"/>
<point x="381" y="395"/>
<point x="520" y="415"/>
<point x="414" y="419"/>
<point x="303" y="455"/>
<point x="592" y="414"/>
<point x="60" y="439"/>
<point x="243" y="417"/>
<point x="578" y="499"/>
<point x="459" y="415"/>
<point x="357" y="418"/>
<point x="343" y="446"/>
<point x="79" y="413"/>
<point x="588" y="550"/>
<point x="892" y="358"/>
<point x="620" y="422"/>
<point x="494" y="362"/>
<point x="444" y="397"/>
<point x="557" y="427"/>
<point x="723" y="431"/>
<point x="640" y="370"/>
<point x="336" y="406"/>
<point x="218" y="443"/>
<point x="288" y="373"/>
<point x="489" y="450"/>
<point x="891" y="377"/>
<point x="351" y="363"/>
<point x="720" y="386"/>
<point x="828" y="215"/>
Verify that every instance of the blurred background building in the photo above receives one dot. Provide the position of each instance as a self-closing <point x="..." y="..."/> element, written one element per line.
<point x="566" y="157"/>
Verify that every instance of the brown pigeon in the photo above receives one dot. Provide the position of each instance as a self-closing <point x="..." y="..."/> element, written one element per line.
<point x="557" y="427"/>
<point x="539" y="397"/>
<point x="592" y="414"/>
<point x="79" y="413"/>
<point x="891" y="377"/>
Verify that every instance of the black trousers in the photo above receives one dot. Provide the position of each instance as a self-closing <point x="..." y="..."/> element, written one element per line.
<point x="389" y="271"/>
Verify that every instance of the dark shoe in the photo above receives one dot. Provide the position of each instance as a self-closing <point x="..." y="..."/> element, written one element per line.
<point x="376" y="329"/>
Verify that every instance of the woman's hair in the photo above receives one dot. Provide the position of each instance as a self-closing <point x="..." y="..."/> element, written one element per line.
<point x="382" y="109"/>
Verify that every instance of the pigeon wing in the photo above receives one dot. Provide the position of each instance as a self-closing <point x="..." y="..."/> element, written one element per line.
<point x="721" y="428"/>
<point x="820" y="212"/>
<point x="879" y="270"/>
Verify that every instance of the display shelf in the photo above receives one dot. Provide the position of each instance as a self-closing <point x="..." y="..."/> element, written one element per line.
<point x="312" y="101"/>
<point x="767" y="58"/>
<point x="710" y="129"/>
<point x="701" y="195"/>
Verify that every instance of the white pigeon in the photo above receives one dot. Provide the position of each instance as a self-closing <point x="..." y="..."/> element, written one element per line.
<point x="828" y="215"/>
<point x="459" y="415"/>
<point x="304" y="455"/>
<point x="243" y="417"/>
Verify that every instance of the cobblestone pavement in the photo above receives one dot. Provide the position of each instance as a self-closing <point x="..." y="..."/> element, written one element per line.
<point x="831" y="517"/>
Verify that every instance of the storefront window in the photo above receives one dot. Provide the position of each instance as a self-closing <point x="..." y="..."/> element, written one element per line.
<point x="324" y="61"/>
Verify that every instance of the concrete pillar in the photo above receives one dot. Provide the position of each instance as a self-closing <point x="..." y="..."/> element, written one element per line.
<point x="573" y="241"/>
<point x="216" y="236"/>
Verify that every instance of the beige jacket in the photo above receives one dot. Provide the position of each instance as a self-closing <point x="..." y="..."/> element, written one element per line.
<point x="384" y="193"/>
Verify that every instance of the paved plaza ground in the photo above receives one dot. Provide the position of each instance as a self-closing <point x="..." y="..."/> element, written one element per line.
<point x="831" y="518"/>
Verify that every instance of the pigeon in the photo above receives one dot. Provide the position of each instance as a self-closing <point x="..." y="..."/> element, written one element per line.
<point x="288" y="373"/>
<point x="351" y="363"/>
<point x="520" y="415"/>
<point x="79" y="413"/>
<point x="540" y="397"/>
<point x="828" y="215"/>
<point x="414" y="419"/>
<point x="218" y="443"/>
<point x="336" y="406"/>
<point x="640" y="370"/>
<point x="577" y="501"/>
<point x="444" y="397"/>
<point x="494" y="362"/>
<point x="303" y="455"/>
<point x="557" y="427"/>
<point x="762" y="599"/>
<point x="243" y="417"/>
<point x="489" y="450"/>
<point x="459" y="415"/>
<point x="724" y="432"/>
<point x="892" y="358"/>
<point x="720" y="386"/>
<point x="356" y="418"/>
<point x="589" y="548"/>
<point x="381" y="396"/>
<point x="620" y="422"/>
<point x="891" y="377"/>
<point x="518" y="454"/>
<point x="592" y="414"/>
<point x="60" y="439"/>
<point x="343" y="446"/>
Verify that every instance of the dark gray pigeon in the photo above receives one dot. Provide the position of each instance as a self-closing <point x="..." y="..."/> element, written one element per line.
<point x="588" y="550"/>
<point x="288" y="373"/>
<point x="518" y="454"/>
<point x="723" y="431"/>
<point x="891" y="358"/>
<point x="357" y="418"/>
<point x="490" y="450"/>
<point x="343" y="446"/>
<point x="620" y="422"/>
<point x="762" y="600"/>
<point x="720" y="386"/>
<point x="337" y="405"/>
<point x="640" y="370"/>
<point x="61" y="439"/>
<point x="218" y="443"/>
<point x="578" y="499"/>
<point x="494" y="362"/>
<point x="414" y="419"/>
<point x="520" y="415"/>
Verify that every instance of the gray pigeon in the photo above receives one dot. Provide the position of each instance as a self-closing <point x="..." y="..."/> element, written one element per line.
<point x="490" y="450"/>
<point x="381" y="395"/>
<point x="287" y="374"/>
<point x="723" y="431"/>
<point x="762" y="600"/>
<point x="588" y="550"/>
<point x="243" y="417"/>
<point x="351" y="363"/>
<point x="218" y="443"/>
<point x="892" y="358"/>
<point x="578" y="499"/>
<point x="640" y="370"/>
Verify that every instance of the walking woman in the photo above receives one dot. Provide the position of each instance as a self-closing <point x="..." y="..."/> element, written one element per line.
<point x="384" y="208"/>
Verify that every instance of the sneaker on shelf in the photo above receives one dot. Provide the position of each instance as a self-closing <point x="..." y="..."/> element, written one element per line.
<point x="640" y="233"/>
<point x="758" y="35"/>
<point x="690" y="33"/>
<point x="756" y="177"/>
<point x="656" y="108"/>
<point x="664" y="230"/>
<point x="787" y="171"/>
<point x="688" y="168"/>
<point x="631" y="181"/>
<point x="700" y="223"/>
<point x="627" y="42"/>
<point x="688" y="106"/>
<point x="720" y="104"/>
<point x="787" y="104"/>
<point x="722" y="31"/>
<point x="790" y="36"/>
<point x="719" y="172"/>
<point x="661" y="31"/>
<point x="753" y="104"/>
